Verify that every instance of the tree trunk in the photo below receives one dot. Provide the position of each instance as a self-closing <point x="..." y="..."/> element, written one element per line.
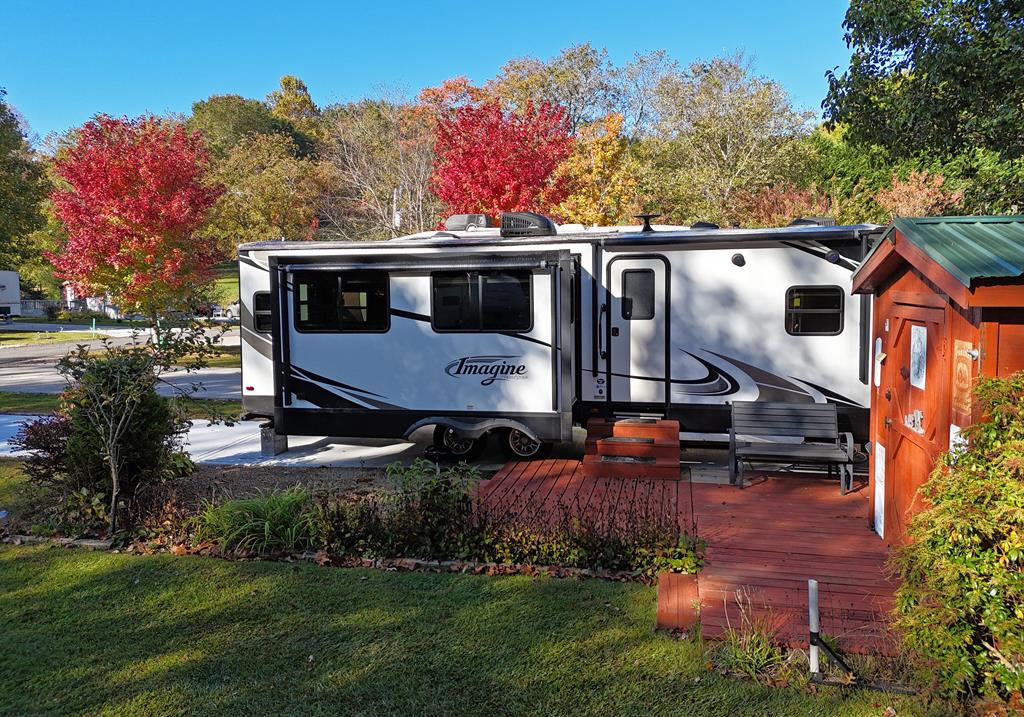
<point x="115" y="489"/>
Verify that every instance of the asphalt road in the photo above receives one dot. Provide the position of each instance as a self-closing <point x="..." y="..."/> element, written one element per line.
<point x="32" y="369"/>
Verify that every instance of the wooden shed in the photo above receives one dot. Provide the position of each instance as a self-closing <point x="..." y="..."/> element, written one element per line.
<point x="949" y="306"/>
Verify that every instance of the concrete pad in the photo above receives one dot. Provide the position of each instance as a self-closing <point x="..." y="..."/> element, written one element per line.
<point x="240" y="445"/>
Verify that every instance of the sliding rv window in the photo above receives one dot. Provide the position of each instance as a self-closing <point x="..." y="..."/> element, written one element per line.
<point x="349" y="301"/>
<point x="814" y="310"/>
<point x="481" y="301"/>
<point x="262" y="319"/>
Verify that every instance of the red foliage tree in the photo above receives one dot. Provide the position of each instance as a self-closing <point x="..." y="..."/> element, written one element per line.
<point x="490" y="161"/>
<point x="132" y="197"/>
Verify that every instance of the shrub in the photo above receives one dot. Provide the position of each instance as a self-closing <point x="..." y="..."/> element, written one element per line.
<point x="273" y="521"/>
<point x="961" y="604"/>
<point x="113" y="435"/>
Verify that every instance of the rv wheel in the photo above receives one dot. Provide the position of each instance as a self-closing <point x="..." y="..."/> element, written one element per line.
<point x="520" y="447"/>
<point x="465" y="449"/>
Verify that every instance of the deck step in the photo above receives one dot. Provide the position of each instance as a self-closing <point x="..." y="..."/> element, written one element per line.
<point x="630" y="467"/>
<point x="658" y="429"/>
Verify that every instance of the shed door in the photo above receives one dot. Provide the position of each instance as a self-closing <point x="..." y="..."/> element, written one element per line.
<point x="916" y="423"/>
<point x="638" y="329"/>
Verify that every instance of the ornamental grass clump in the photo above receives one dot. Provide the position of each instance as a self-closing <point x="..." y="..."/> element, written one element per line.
<point x="276" y="521"/>
<point x="961" y="604"/>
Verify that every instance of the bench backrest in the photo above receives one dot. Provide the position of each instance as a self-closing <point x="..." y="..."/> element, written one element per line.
<point x="808" y="420"/>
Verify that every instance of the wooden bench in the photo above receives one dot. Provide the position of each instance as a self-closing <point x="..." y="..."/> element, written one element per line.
<point x="815" y="423"/>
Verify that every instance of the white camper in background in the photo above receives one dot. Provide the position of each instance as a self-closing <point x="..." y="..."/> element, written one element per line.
<point x="10" y="294"/>
<point x="525" y="330"/>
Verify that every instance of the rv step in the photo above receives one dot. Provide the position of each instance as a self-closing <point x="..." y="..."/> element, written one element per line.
<point x="628" y="439"/>
<point x="628" y="459"/>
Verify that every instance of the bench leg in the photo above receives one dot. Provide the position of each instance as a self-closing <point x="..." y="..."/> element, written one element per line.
<point x="845" y="478"/>
<point x="739" y="472"/>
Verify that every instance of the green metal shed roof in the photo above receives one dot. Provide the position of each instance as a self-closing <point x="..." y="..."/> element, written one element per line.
<point x="969" y="248"/>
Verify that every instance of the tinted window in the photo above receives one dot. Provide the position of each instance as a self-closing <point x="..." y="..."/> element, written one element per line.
<point x="638" y="294"/>
<point x="262" y="319"/>
<point x="343" y="301"/>
<point x="814" y="310"/>
<point x="482" y="301"/>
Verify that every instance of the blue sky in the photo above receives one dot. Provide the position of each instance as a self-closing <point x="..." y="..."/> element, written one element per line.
<point x="62" y="62"/>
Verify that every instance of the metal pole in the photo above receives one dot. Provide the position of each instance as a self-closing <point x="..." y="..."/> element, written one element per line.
<point x="812" y="615"/>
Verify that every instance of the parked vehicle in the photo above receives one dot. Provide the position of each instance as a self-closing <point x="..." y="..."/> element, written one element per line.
<point x="233" y="310"/>
<point x="528" y="329"/>
<point x="10" y="294"/>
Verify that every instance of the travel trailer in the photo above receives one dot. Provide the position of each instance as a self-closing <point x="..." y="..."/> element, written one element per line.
<point x="10" y="294"/>
<point x="527" y="329"/>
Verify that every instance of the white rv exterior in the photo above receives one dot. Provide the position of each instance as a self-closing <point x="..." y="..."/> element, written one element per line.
<point x="10" y="294"/>
<point x="476" y="332"/>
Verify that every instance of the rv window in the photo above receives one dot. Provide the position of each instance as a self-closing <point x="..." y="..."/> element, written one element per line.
<point x="638" y="294"/>
<point x="814" y="310"/>
<point x="343" y="301"/>
<point x="262" y="319"/>
<point x="482" y="301"/>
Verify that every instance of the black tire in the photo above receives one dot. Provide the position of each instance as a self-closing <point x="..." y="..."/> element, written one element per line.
<point x="466" y="449"/>
<point x="517" y="446"/>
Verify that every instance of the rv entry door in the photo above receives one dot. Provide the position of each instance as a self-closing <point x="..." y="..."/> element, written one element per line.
<point x="637" y="301"/>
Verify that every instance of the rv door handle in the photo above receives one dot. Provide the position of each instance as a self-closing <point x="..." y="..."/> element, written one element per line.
<point x="602" y="351"/>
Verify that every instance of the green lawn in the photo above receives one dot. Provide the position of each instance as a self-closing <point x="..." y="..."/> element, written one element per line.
<point x="100" y="633"/>
<point x="24" y="338"/>
<point x="13" y="486"/>
<point x="225" y="283"/>
<point x="42" y="403"/>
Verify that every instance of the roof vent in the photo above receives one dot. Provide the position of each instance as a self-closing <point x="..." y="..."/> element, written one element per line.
<point x="704" y="225"/>
<point x="466" y="222"/>
<point x="526" y="224"/>
<point x="813" y="222"/>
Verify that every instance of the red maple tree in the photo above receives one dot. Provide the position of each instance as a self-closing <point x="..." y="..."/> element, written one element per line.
<point x="132" y="197"/>
<point x="490" y="160"/>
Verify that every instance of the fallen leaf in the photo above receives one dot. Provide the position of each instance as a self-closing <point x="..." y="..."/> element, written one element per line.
<point x="179" y="549"/>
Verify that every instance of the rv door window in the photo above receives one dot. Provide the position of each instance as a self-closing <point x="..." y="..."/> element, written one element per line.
<point x="814" y="310"/>
<point x="262" y="319"/>
<point x="351" y="301"/>
<point x="638" y="294"/>
<point x="482" y="301"/>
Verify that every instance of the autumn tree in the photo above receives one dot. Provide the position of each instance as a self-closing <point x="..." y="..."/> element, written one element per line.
<point x="225" y="120"/>
<point x="921" y="194"/>
<point x="779" y="205"/>
<point x="292" y="103"/>
<point x="490" y="160"/>
<point x="271" y="194"/>
<point x="583" y="80"/>
<point x="602" y="175"/>
<point x="22" y="189"/>
<point x="722" y="130"/>
<point x="380" y="154"/>
<point x="132" y="194"/>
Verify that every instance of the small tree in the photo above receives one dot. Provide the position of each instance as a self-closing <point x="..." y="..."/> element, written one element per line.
<point x="116" y="420"/>
<point x="132" y="195"/>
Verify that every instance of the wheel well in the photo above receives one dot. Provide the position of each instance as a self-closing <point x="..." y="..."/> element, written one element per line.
<point x="470" y="427"/>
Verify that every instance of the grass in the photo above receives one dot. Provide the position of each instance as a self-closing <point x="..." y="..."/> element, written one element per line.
<point x="166" y="635"/>
<point x="26" y="338"/>
<point x="13" y="486"/>
<point x="45" y="403"/>
<point x="226" y="357"/>
<point x="225" y="283"/>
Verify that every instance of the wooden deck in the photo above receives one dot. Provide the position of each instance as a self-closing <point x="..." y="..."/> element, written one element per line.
<point x="763" y="542"/>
